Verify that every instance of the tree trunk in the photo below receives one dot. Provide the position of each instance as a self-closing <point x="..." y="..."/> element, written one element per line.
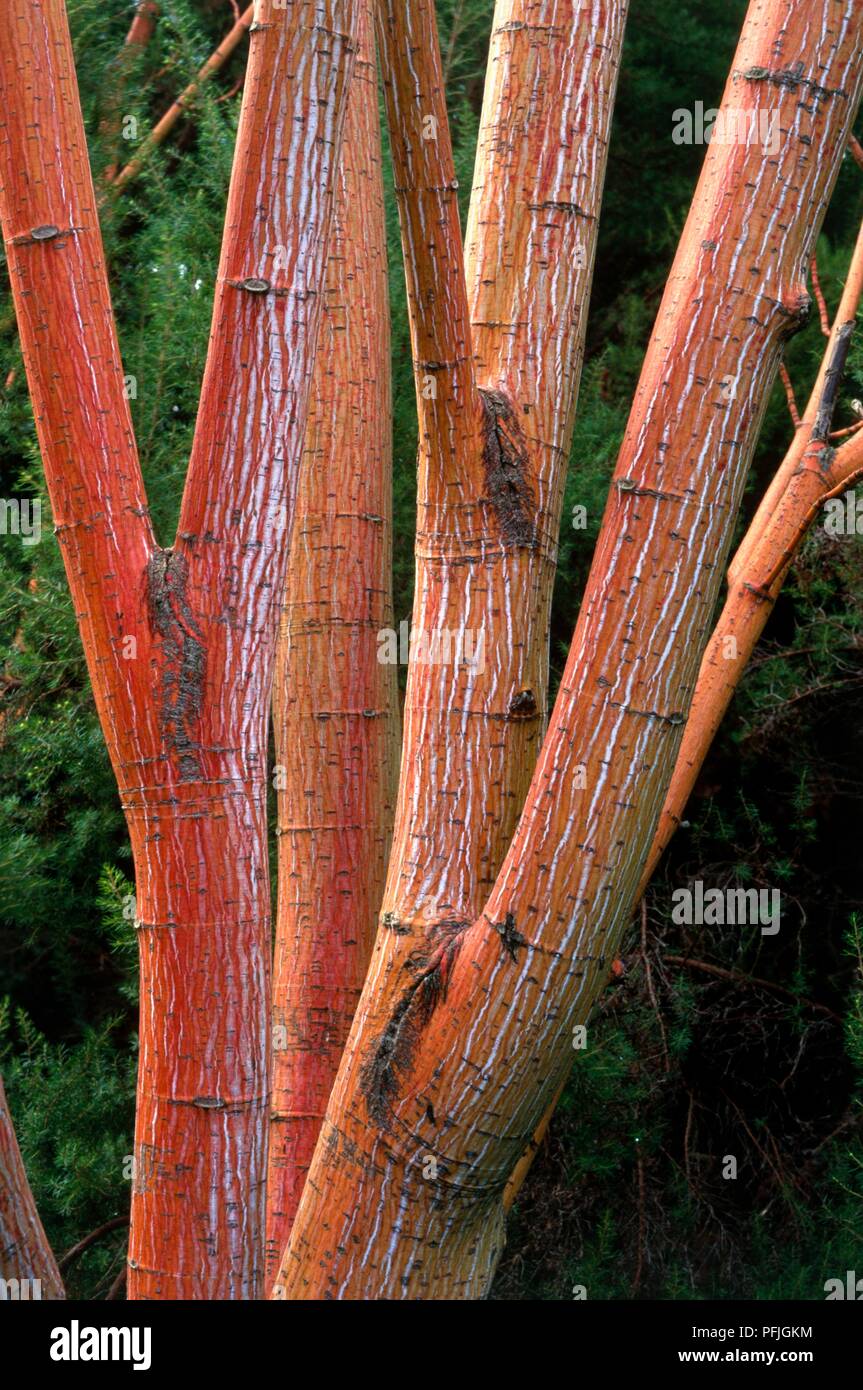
<point x="497" y="358"/>
<point x="25" y="1255"/>
<point x="335" y="706"/>
<point x="812" y="469"/>
<point x="495" y="431"/>
<point x="179" y="642"/>
<point x="430" y="1113"/>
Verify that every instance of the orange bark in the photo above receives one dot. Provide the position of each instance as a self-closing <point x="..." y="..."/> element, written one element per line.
<point x="143" y="24"/>
<point x="335" y="706"/>
<point x="813" y="469"/>
<point x="502" y="339"/>
<point x="498" y="345"/>
<point x="179" y="642"/>
<point x="431" y="1112"/>
<point x="25" y="1254"/>
<point x="815" y="473"/>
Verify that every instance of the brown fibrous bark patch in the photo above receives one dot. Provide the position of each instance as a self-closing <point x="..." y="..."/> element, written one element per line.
<point x="791" y="79"/>
<point x="523" y="705"/>
<point x="183" y="653"/>
<point x="507" y="471"/>
<point x="392" y="1053"/>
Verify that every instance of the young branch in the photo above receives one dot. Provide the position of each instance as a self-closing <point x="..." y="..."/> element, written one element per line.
<point x="143" y="25"/>
<point x="737" y="977"/>
<point x="77" y="1250"/>
<point x="141" y="30"/>
<point x="163" y="127"/>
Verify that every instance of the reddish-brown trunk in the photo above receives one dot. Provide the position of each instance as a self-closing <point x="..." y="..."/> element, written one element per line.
<point x="179" y="642"/>
<point x="811" y="469"/>
<point x="431" y="1112"/>
<point x="498" y="346"/>
<point x="28" y="1268"/>
<point x="335" y="705"/>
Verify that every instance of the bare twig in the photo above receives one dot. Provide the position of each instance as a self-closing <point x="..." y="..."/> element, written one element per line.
<point x="77" y="1250"/>
<point x="737" y="977"/>
<point x="648" y="975"/>
<point x="789" y="395"/>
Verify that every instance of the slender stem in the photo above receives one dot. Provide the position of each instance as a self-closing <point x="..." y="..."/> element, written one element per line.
<point x="163" y="127"/>
<point x="739" y="977"/>
<point x="823" y="313"/>
<point x="75" y="1251"/>
<point x="141" y="30"/>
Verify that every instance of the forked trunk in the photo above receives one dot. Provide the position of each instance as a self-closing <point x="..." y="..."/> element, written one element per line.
<point x="179" y="642"/>
<point x="433" y="1107"/>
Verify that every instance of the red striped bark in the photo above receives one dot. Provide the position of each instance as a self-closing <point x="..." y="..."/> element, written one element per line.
<point x="430" y="1114"/>
<point x="179" y="642"/>
<point x="25" y="1255"/>
<point x="498" y="358"/>
<point x="335" y="705"/>
<point x="488" y="515"/>
<point x="813" y="470"/>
